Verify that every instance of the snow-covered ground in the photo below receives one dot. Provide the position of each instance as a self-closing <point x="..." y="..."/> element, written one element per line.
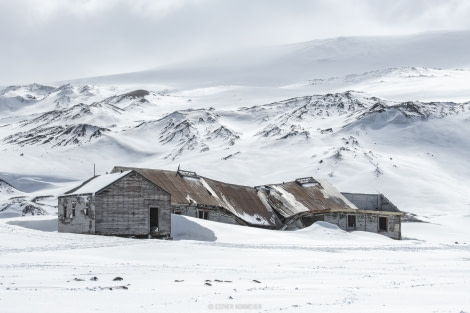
<point x="229" y="268"/>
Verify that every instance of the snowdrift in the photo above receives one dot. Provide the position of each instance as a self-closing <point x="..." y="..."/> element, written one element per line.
<point x="320" y="233"/>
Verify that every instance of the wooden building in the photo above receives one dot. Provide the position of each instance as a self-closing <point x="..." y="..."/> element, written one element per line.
<point x="123" y="204"/>
<point x="130" y="200"/>
<point x="306" y="200"/>
<point x="201" y="197"/>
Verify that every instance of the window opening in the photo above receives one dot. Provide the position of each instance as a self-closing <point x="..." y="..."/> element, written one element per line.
<point x="188" y="175"/>
<point x="203" y="214"/>
<point x="307" y="182"/>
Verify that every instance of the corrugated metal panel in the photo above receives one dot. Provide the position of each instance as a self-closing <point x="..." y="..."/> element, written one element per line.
<point x="293" y="198"/>
<point x="255" y="206"/>
<point x="242" y="201"/>
<point x="182" y="190"/>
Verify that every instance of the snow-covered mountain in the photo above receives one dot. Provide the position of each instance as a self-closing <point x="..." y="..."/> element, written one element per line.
<point x="204" y="129"/>
<point x="388" y="115"/>
<point x="384" y="115"/>
<point x="16" y="203"/>
<point x="7" y="190"/>
<point x="320" y="135"/>
<point x="317" y="59"/>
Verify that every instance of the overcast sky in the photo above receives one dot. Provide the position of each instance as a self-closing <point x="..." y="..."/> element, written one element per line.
<point x="49" y="40"/>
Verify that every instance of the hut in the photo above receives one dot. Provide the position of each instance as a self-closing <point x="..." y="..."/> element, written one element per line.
<point x="124" y="203"/>
<point x="138" y="201"/>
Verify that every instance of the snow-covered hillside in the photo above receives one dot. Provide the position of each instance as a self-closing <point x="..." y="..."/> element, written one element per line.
<point x="371" y="115"/>
<point x="16" y="203"/>
<point x="360" y="142"/>
<point x="388" y="115"/>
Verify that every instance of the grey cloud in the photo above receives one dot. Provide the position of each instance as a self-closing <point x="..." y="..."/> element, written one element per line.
<point x="61" y="39"/>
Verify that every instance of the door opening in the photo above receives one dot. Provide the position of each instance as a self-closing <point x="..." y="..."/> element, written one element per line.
<point x="154" y="220"/>
<point x="383" y="223"/>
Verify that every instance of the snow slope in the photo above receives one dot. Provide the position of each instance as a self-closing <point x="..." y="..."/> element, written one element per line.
<point x="249" y="270"/>
<point x="360" y="142"/>
<point x="287" y="64"/>
<point x="400" y="84"/>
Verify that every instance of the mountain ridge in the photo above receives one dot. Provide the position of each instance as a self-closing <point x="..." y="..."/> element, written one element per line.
<point x="82" y="123"/>
<point x="369" y="114"/>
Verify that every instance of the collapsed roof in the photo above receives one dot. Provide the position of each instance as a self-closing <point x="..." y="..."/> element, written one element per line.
<point x="262" y="206"/>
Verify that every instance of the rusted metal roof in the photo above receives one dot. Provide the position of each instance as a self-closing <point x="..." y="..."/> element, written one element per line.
<point x="242" y="201"/>
<point x="263" y="206"/>
<point x="254" y="205"/>
<point x="302" y="196"/>
<point x="245" y="202"/>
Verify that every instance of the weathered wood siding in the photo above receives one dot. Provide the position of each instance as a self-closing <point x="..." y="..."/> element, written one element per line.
<point x="76" y="214"/>
<point x="123" y="208"/>
<point x="214" y="214"/>
<point x="367" y="221"/>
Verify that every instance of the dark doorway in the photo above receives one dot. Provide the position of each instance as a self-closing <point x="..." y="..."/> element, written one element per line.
<point x="352" y="221"/>
<point x="153" y="219"/>
<point x="383" y="223"/>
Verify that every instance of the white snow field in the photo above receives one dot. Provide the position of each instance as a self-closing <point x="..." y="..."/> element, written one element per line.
<point x="228" y="268"/>
<point x="384" y="115"/>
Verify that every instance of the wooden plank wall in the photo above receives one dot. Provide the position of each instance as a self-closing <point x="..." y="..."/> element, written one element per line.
<point x="367" y="222"/>
<point x="123" y="207"/>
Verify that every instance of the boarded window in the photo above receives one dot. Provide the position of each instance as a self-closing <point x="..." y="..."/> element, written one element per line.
<point x="383" y="223"/>
<point x="351" y="221"/>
